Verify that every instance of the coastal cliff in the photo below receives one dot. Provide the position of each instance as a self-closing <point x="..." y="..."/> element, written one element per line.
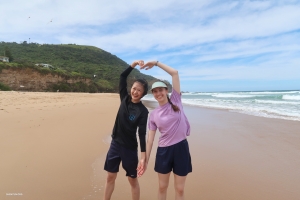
<point x="29" y="79"/>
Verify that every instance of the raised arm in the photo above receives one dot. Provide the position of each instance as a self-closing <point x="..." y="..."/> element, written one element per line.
<point x="123" y="78"/>
<point x="169" y="70"/>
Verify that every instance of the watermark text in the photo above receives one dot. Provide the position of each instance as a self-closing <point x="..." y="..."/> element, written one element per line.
<point x="14" y="194"/>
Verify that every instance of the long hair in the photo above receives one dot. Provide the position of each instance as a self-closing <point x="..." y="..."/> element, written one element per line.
<point x="174" y="107"/>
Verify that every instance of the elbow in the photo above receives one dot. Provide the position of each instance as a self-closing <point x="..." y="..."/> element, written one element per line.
<point x="175" y="73"/>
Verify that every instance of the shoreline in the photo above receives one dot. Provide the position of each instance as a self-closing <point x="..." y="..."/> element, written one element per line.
<point x="152" y="104"/>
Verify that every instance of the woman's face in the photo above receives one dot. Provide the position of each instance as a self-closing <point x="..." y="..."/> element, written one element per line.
<point x="136" y="92"/>
<point x="160" y="94"/>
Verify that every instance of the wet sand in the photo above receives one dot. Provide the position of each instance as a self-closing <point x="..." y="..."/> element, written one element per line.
<point x="238" y="156"/>
<point x="53" y="146"/>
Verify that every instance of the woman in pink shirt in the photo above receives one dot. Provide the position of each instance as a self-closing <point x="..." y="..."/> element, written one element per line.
<point x="169" y="118"/>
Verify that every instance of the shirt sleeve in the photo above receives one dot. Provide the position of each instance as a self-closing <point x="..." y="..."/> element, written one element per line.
<point x="151" y="124"/>
<point x="142" y="131"/>
<point x="123" y="82"/>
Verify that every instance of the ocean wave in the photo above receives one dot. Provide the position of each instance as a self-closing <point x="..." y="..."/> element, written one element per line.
<point x="198" y="93"/>
<point x="291" y="97"/>
<point x="284" y="105"/>
<point x="148" y="97"/>
<point x="261" y="112"/>
<point x="185" y="94"/>
<point x="277" y="102"/>
<point x="268" y="114"/>
<point x="233" y="95"/>
<point x="279" y="92"/>
<point x="218" y="101"/>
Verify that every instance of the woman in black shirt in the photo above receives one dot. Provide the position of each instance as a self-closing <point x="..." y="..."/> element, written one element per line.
<point x="132" y="114"/>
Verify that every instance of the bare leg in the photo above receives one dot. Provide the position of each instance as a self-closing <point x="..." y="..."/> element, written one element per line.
<point x="110" y="185"/>
<point x="135" y="188"/>
<point x="179" y="183"/>
<point x="163" y="180"/>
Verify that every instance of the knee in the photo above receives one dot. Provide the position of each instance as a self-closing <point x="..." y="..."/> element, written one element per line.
<point x="179" y="190"/>
<point x="163" y="188"/>
<point x="133" y="182"/>
<point x="111" y="178"/>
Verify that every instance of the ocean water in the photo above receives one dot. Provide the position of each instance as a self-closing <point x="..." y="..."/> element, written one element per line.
<point x="271" y="104"/>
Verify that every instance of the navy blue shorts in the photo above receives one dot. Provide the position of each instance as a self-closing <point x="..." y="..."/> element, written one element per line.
<point x="175" y="157"/>
<point x="118" y="153"/>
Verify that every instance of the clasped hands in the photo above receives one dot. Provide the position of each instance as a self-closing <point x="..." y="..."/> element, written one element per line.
<point x="146" y="66"/>
<point x="142" y="166"/>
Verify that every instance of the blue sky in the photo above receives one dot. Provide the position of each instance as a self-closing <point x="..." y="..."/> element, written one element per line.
<point x="216" y="45"/>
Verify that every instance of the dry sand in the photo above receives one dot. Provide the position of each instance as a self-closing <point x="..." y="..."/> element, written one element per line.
<point x="53" y="146"/>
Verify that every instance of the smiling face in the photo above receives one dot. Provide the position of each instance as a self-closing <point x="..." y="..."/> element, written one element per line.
<point x="160" y="94"/>
<point x="136" y="92"/>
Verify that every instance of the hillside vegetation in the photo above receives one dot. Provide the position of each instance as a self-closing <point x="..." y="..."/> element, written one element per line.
<point x="100" y="66"/>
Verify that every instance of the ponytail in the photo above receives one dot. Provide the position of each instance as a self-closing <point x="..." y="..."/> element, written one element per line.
<point x="175" y="108"/>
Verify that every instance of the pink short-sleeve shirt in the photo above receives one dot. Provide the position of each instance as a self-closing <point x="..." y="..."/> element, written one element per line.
<point x="173" y="126"/>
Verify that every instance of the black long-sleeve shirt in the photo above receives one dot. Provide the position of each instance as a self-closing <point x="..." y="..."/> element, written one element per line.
<point x="130" y="116"/>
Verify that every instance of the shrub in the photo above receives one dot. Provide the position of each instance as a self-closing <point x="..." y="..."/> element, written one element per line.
<point x="62" y="87"/>
<point x="93" y="88"/>
<point x="4" y="87"/>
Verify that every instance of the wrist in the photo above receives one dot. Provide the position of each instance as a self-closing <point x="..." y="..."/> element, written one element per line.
<point x="156" y="63"/>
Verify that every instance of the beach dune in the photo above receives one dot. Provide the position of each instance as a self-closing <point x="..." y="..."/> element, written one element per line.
<point x="53" y="146"/>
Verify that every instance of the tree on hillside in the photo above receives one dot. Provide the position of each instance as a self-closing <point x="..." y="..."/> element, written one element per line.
<point x="7" y="53"/>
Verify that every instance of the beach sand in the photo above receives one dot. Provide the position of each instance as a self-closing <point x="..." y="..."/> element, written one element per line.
<point x="53" y="146"/>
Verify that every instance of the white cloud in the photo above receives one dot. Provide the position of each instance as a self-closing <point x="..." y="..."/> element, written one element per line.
<point x="176" y="35"/>
<point x="205" y="39"/>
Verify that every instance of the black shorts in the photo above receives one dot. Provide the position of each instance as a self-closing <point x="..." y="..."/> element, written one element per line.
<point x="118" y="153"/>
<point x="175" y="157"/>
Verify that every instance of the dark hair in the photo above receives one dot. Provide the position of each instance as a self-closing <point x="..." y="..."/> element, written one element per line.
<point x="175" y="108"/>
<point x="144" y="83"/>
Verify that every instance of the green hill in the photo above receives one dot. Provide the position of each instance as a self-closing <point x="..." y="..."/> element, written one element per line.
<point x="73" y="60"/>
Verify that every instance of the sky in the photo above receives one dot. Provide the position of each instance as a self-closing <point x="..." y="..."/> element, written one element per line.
<point x="216" y="45"/>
